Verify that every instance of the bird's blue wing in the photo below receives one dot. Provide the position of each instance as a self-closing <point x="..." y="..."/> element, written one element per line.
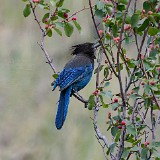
<point x="71" y="75"/>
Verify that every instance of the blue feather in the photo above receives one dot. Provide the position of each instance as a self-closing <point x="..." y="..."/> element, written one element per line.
<point x="75" y="76"/>
<point x="63" y="107"/>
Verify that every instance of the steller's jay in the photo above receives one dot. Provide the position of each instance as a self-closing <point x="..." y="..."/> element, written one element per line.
<point x="74" y="77"/>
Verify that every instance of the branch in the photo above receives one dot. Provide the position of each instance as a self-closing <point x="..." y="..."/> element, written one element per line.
<point x="80" y="98"/>
<point x="100" y="40"/>
<point x="122" y="139"/>
<point x="49" y="61"/>
<point x="85" y="8"/>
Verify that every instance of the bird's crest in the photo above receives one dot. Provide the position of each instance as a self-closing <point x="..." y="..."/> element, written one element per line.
<point x="87" y="48"/>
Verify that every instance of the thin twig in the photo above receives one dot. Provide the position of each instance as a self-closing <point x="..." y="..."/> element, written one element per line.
<point x="100" y="40"/>
<point x="155" y="99"/>
<point x="153" y="125"/>
<point x="42" y="40"/>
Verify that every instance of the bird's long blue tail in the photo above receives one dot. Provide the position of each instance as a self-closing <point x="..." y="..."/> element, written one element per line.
<point x="63" y="107"/>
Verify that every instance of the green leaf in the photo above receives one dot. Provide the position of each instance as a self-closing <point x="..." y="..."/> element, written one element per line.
<point x="117" y="136"/>
<point x="147" y="102"/>
<point x="59" y="24"/>
<point x="24" y="0"/>
<point x="68" y="28"/>
<point x="144" y="153"/>
<point x="60" y="3"/>
<point x="114" y="106"/>
<point x="146" y="6"/>
<point x="134" y="20"/>
<point x="49" y="33"/>
<point x="121" y="7"/>
<point x="103" y="104"/>
<point x="135" y="148"/>
<point x="58" y="31"/>
<point x="27" y="10"/>
<point x="100" y="5"/>
<point x="130" y="64"/>
<point x="131" y="130"/>
<point x="77" y="25"/>
<point x="96" y="70"/>
<point x="136" y="89"/>
<point x="114" y="131"/>
<point x="112" y="146"/>
<point x="128" y="19"/>
<point x="91" y="102"/>
<point x="134" y="96"/>
<point x="106" y="72"/>
<point x="106" y="84"/>
<point x="55" y="76"/>
<point x="44" y="17"/>
<point x="152" y="31"/>
<point x="99" y="13"/>
<point x="125" y="153"/>
<point x="123" y="1"/>
<point x="144" y="25"/>
<point x="115" y="30"/>
<point x="108" y="94"/>
<point x="156" y="144"/>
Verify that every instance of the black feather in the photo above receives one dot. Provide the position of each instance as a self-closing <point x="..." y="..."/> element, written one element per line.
<point x="85" y="48"/>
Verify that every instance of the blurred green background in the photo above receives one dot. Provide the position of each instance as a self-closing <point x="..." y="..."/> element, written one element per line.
<point x="27" y="104"/>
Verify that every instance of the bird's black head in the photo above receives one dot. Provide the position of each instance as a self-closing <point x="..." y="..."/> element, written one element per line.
<point x="84" y="48"/>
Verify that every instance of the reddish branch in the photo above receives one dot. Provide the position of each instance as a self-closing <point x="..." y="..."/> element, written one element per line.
<point x="123" y="94"/>
<point x="100" y="40"/>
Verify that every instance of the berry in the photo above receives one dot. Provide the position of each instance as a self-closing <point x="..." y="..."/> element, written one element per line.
<point x="108" y="16"/>
<point x="74" y="19"/>
<point x="151" y="47"/>
<point x="100" y="32"/>
<point x="106" y="61"/>
<point x="129" y="93"/>
<point x="106" y="1"/>
<point x="116" y="39"/>
<point x="47" y="26"/>
<point x="123" y="123"/>
<point x="146" y="143"/>
<point x="143" y="11"/>
<point x="142" y="83"/>
<point x="152" y="83"/>
<point x="109" y="115"/>
<point x="95" y="92"/>
<point x="127" y="27"/>
<point x="65" y="15"/>
<point x="150" y="12"/>
<point x="46" y="20"/>
<point x="115" y="100"/>
<point x="157" y="46"/>
<point x="142" y="57"/>
<point x="36" y="1"/>
<point x="119" y="127"/>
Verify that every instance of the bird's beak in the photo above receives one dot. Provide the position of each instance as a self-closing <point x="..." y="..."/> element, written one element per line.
<point x="96" y="45"/>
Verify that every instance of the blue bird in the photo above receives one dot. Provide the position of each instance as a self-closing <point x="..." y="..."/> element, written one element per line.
<point x="74" y="77"/>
